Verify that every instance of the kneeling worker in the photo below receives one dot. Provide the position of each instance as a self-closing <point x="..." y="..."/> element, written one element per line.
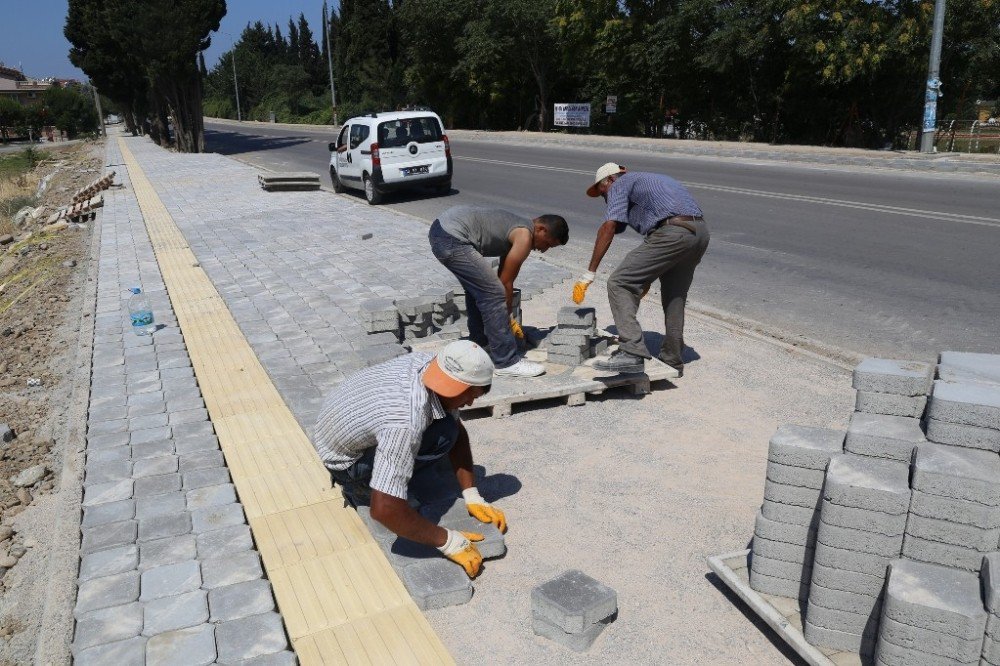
<point x="461" y="239"/>
<point x="387" y="421"/>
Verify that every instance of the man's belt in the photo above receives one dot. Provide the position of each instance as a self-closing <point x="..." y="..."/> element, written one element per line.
<point x="683" y="221"/>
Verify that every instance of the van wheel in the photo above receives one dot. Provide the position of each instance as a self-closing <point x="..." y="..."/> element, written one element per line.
<point x="373" y="196"/>
<point x="338" y="187"/>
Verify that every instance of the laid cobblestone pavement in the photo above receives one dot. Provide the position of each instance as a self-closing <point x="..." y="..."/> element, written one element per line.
<point x="168" y="570"/>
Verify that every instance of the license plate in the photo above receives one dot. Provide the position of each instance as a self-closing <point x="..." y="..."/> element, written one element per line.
<point x="413" y="171"/>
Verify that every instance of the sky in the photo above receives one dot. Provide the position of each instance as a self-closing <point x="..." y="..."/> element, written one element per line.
<point x="33" y="40"/>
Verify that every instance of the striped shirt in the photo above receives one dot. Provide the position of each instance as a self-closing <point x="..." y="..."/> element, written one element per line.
<point x="386" y="407"/>
<point x="640" y="200"/>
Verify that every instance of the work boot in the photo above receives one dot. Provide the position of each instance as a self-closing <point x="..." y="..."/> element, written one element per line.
<point x="622" y="361"/>
<point x="523" y="368"/>
<point x="678" y="368"/>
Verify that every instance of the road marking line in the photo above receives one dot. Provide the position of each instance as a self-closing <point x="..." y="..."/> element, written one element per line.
<point x="878" y="208"/>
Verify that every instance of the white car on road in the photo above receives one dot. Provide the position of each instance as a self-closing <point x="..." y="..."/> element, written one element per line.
<point x="389" y="151"/>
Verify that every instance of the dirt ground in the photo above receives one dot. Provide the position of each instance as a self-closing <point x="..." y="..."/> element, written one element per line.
<point x="43" y="276"/>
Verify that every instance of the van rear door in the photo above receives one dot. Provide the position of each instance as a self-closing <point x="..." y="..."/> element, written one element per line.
<point x="412" y="148"/>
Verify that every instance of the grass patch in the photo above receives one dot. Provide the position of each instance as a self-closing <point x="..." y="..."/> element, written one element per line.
<point x="17" y="186"/>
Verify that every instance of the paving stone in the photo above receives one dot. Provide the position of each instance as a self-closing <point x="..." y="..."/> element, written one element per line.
<point x="231" y="602"/>
<point x="108" y="625"/>
<point x="890" y="404"/>
<point x="184" y="445"/>
<point x="169" y="580"/>
<point x="866" y="483"/>
<point x="786" y="513"/>
<point x="889" y="654"/>
<point x="933" y="552"/>
<point x="160" y="505"/>
<point x="110" y="512"/>
<point x="779" y="587"/>
<point x="155" y="466"/>
<point x="223" y="542"/>
<point x="108" y="536"/>
<point x="201" y="478"/>
<point x="113" y="440"/>
<point x="770" y="566"/>
<point x="837" y="640"/>
<point x="171" y="550"/>
<point x="956" y="534"/>
<point x="966" y="474"/>
<point x="804" y="446"/>
<point x="106" y="472"/>
<point x="102" y="493"/>
<point x="862" y="519"/>
<point x="166" y="525"/>
<point x="147" y="435"/>
<point x="795" y="476"/>
<point x="864" y="625"/>
<point x="110" y="561"/>
<point x="778" y="550"/>
<point x="106" y="591"/>
<point x="850" y="602"/>
<point x="879" y="375"/>
<point x="174" y="612"/>
<point x="231" y="569"/>
<point x="575" y="317"/>
<point x="250" y="637"/>
<point x="492" y="545"/>
<point x="970" y="403"/>
<point x="203" y="429"/>
<point x="380" y="532"/>
<point x="573" y="601"/>
<point x="859" y="540"/>
<point x="808" y="498"/>
<point x="924" y="641"/>
<point x="935" y="598"/>
<point x="157" y="485"/>
<point x="968" y="366"/>
<point x="201" y="460"/>
<point x="967" y="436"/>
<point x="847" y="581"/>
<point x="215" y="517"/>
<point x="124" y="653"/>
<point x="773" y="530"/>
<point x="881" y="436"/>
<point x="111" y="454"/>
<point x="152" y="449"/>
<point x="578" y="642"/>
<point x="851" y="560"/>
<point x="184" y="647"/>
<point x="211" y="496"/>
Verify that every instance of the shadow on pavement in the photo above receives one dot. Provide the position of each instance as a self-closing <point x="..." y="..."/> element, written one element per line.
<point x="234" y="143"/>
<point x="494" y="487"/>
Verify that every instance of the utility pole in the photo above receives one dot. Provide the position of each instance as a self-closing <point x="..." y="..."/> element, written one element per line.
<point x="933" y="90"/>
<point x="329" y="63"/>
<point x="236" y="85"/>
<point x="100" y="114"/>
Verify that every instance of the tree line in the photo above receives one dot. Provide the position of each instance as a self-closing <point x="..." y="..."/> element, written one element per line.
<point x="839" y="72"/>
<point x="69" y="109"/>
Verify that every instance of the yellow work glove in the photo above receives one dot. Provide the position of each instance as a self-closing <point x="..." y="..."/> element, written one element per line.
<point x="482" y="510"/>
<point x="458" y="548"/>
<point x="580" y="288"/>
<point x="516" y="329"/>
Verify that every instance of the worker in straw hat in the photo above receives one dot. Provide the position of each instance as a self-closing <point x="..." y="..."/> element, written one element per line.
<point x="382" y="424"/>
<point x="675" y="239"/>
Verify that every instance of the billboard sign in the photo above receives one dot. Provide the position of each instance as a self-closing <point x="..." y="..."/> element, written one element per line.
<point x="571" y="115"/>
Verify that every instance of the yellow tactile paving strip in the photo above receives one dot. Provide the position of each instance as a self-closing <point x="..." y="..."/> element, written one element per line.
<point x="341" y="600"/>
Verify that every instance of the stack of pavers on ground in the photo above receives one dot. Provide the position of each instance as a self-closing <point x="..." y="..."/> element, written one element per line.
<point x="785" y="529"/>
<point x="892" y="388"/>
<point x="572" y="609"/>
<point x="427" y="313"/>
<point x="862" y="520"/>
<point x="965" y="377"/>
<point x="574" y="339"/>
<point x="289" y="182"/>
<point x="99" y="185"/>
<point x="991" y="595"/>
<point x="931" y="615"/>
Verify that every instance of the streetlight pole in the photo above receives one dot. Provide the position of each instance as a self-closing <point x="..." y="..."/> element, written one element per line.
<point x="236" y="85"/>
<point x="329" y="63"/>
<point x="933" y="90"/>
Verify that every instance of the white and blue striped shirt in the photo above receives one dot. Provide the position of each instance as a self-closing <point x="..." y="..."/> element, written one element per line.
<point x="640" y="200"/>
<point x="386" y="407"/>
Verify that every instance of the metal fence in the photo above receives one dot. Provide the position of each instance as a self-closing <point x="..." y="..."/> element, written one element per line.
<point x="963" y="136"/>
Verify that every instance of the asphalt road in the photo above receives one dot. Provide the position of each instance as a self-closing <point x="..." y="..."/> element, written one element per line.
<point x="876" y="262"/>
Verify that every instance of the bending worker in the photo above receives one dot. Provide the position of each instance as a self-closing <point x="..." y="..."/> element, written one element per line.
<point x="461" y="238"/>
<point x="387" y="421"/>
<point x="676" y="237"/>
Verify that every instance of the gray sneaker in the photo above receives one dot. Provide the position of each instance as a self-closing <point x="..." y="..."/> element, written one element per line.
<point x="622" y="361"/>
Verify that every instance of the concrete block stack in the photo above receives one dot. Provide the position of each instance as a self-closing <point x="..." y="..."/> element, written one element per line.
<point x="990" y="578"/>
<point x="965" y="413"/>
<point x="862" y="520"/>
<point x="445" y="312"/>
<point x="379" y="315"/>
<point x="572" y="609"/>
<point x="416" y="316"/>
<point x="931" y="615"/>
<point x="892" y="388"/>
<point x="886" y="437"/>
<point x="785" y="530"/>
<point x="955" y="511"/>
<point x="94" y="188"/>
<point x="570" y="342"/>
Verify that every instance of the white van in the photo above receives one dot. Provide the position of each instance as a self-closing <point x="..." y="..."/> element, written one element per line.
<point x="389" y="151"/>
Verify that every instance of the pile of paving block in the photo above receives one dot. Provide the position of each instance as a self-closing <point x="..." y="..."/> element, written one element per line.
<point x="574" y="339"/>
<point x="288" y="182"/>
<point x="84" y="202"/>
<point x="96" y="187"/>
<point x="572" y="609"/>
<point x="413" y="317"/>
<point x="882" y="532"/>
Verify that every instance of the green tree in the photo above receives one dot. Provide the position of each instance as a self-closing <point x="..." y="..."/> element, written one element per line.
<point x="70" y="110"/>
<point x="11" y="117"/>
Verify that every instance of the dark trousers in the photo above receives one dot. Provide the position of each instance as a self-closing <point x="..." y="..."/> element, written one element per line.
<point x="668" y="254"/>
<point x="437" y="442"/>
<point x="485" y="297"/>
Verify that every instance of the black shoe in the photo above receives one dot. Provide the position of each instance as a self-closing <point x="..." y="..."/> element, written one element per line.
<point x="678" y="368"/>
<point x="622" y="361"/>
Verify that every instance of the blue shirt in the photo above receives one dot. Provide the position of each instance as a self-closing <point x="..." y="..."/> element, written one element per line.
<point x="640" y="200"/>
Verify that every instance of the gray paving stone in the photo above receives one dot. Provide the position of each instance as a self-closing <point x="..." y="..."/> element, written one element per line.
<point x="879" y="375"/>
<point x="231" y="569"/>
<point x="492" y="545"/>
<point x="967" y="366"/>
<point x="201" y="460"/>
<point x="864" y="625"/>
<point x="970" y="403"/>
<point x="795" y="476"/>
<point x="851" y="560"/>
<point x="102" y="493"/>
<point x="778" y="550"/>
<point x="203" y="429"/>
<point x="437" y="583"/>
<point x="773" y="530"/>
<point x="154" y="449"/>
<point x="573" y="601"/>
<point x="579" y="642"/>
<point x="157" y="485"/>
<point x="171" y="550"/>
<point x="160" y="505"/>
<point x="780" y="587"/>
<point x="889" y="654"/>
<point x="793" y="515"/>
<point x="959" y="650"/>
<point x="108" y="562"/>
<point x="186" y="445"/>
<point x="804" y="446"/>
<point x="110" y="512"/>
<point x="955" y="510"/>
<point x="956" y="534"/>
<point x="847" y="581"/>
<point x="231" y="602"/>
<point x="210" y="496"/>
<point x="837" y="640"/>
<point x="201" y="478"/>
<point x="776" y="568"/>
<point x="147" y="411"/>
<point x="966" y="474"/>
<point x="215" y="517"/>
<point x="107" y="536"/>
<point x="114" y="453"/>
<point x="934" y="552"/>
<point x="380" y="532"/>
<point x="967" y="436"/>
<point x="850" y="602"/>
<point x="193" y="415"/>
<point x="130" y="652"/>
<point x="107" y="427"/>
<point x="880" y="436"/>
<point x="106" y="591"/>
<point x="169" y="580"/>
<point x="862" y="519"/>
<point x="250" y="637"/>
<point x="792" y="495"/>
<point x="224" y="542"/>
<point x="890" y="404"/>
<point x="867" y="483"/>
<point x="576" y="317"/>
<point x="147" y="435"/>
<point x="114" y="440"/>
<point x="859" y="540"/>
<point x="108" y="625"/>
<point x="935" y="598"/>
<point x="184" y="647"/>
<point x="175" y="612"/>
<point x="163" y="526"/>
<point x="155" y="466"/>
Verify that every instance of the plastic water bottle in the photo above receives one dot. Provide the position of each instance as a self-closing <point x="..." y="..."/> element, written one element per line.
<point x="140" y="312"/>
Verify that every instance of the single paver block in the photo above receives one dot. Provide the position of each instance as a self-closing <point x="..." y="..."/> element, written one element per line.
<point x="228" y="540"/>
<point x="862" y="624"/>
<point x="569" y="336"/>
<point x="437" y="583"/>
<point x="215" y="517"/>
<point x="881" y="375"/>
<point x="772" y="530"/>
<point x="847" y="581"/>
<point x="231" y="602"/>
<point x="795" y="476"/>
<point x="890" y="404"/>
<point x="250" y="637"/>
<point x="112" y="512"/>
<point x="890" y="654"/>
<point x="793" y="515"/>
<point x="492" y="545"/>
<point x="793" y="495"/>
<point x="859" y="540"/>
<point x="170" y="550"/>
<point x="170" y="579"/>
<point x="107" y="625"/>
<point x="163" y="526"/>
<point x="108" y="562"/>
<point x="956" y="534"/>
<point x="175" y="612"/>
<point x="130" y="651"/>
<point x="779" y="587"/>
<point x="160" y="505"/>
<point x="882" y="436"/>
<point x="868" y="483"/>
<point x="184" y="647"/>
<point x="578" y="642"/>
<point x="780" y="568"/>
<point x="923" y="640"/>
<point x="102" y="493"/>
<point x="837" y="640"/>
<point x="863" y="519"/>
<point x="949" y="555"/>
<point x="776" y="550"/>
<point x="805" y="446"/>
<point x="851" y="602"/>
<point x="573" y="601"/>
<point x="969" y="366"/>
<point x="936" y="598"/>
<point x="956" y="434"/>
<point x="573" y="317"/>
<point x="851" y="560"/>
<point x="108" y="536"/>
<point x="970" y="403"/>
<point x="966" y="474"/>
<point x="208" y="496"/>
<point x="231" y="569"/>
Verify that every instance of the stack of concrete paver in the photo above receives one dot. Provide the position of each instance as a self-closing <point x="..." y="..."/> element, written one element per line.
<point x="862" y="519"/>
<point x="416" y="315"/>
<point x="990" y="577"/>
<point x="785" y="531"/>
<point x="893" y="388"/>
<point x="379" y="315"/>
<point x="965" y="412"/>
<point x="572" y="609"/>
<point x="573" y="340"/>
<point x="88" y="192"/>
<point x="955" y="514"/>
<point x="289" y="182"/>
<point x="931" y="615"/>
